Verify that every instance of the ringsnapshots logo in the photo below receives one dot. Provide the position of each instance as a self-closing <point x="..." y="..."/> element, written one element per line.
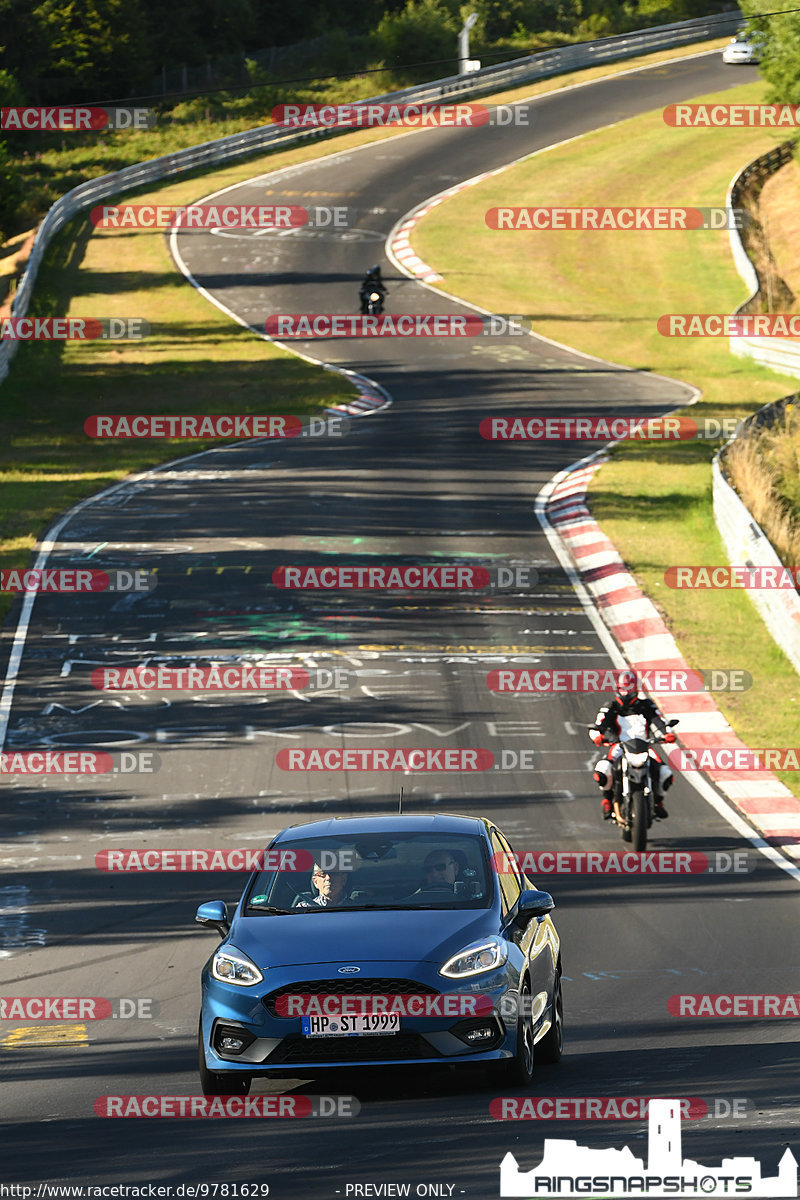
<point x="261" y="1107"/>
<point x="561" y="217"/>
<point x="570" y="1171"/>
<point x="75" y="119"/>
<point x="210" y="427"/>
<point x="404" y="115"/>
<point x="605" y="428"/>
<point x="658" y="681"/>
<point x="77" y="1008"/>
<point x="436" y="577"/>
<point x="75" y="329"/>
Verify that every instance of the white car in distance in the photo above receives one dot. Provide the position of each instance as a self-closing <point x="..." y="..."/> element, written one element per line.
<point x="744" y="48"/>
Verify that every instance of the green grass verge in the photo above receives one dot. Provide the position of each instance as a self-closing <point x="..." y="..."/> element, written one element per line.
<point x="195" y="361"/>
<point x="62" y="162"/>
<point x="603" y="293"/>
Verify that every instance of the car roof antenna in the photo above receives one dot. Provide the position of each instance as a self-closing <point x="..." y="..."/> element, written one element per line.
<point x="400" y="804"/>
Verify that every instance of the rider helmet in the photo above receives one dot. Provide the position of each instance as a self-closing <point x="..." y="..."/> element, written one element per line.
<point x="627" y="693"/>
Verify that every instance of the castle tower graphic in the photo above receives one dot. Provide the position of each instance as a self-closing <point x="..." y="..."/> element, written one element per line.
<point x="566" y="1166"/>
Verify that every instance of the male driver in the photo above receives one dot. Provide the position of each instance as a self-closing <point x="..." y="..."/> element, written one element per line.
<point x="611" y="725"/>
<point x="440" y="869"/>
<point x="330" y="889"/>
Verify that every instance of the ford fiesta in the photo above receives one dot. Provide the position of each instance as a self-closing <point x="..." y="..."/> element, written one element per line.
<point x="381" y="941"/>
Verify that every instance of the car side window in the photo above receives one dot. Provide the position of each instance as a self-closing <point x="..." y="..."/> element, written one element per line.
<point x="510" y="886"/>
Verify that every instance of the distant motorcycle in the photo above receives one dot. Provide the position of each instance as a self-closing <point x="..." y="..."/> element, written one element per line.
<point x="634" y="797"/>
<point x="372" y="301"/>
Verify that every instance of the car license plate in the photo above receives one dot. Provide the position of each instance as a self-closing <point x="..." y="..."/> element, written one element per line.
<point x="351" y="1026"/>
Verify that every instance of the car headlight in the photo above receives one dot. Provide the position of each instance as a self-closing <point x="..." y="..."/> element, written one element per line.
<point x="231" y="966"/>
<point x="486" y="955"/>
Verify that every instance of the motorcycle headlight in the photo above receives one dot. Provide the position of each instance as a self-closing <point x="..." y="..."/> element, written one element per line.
<point x="485" y="955"/>
<point x="638" y="760"/>
<point x="374" y="296"/>
<point x="231" y="966"/>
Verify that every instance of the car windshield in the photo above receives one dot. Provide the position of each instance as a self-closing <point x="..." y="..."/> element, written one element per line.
<point x="374" y="871"/>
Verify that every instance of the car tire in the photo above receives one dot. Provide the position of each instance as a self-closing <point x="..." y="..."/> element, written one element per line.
<point x="519" y="1070"/>
<point x="551" y="1046"/>
<point x="219" y="1083"/>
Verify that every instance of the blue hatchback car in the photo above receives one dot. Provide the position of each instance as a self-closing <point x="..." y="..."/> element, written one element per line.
<point x="381" y="941"/>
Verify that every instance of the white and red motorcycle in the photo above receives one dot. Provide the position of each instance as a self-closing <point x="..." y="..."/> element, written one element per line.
<point x="634" y="764"/>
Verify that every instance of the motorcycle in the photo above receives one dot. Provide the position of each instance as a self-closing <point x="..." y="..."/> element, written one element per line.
<point x="633" y="797"/>
<point x="372" y="301"/>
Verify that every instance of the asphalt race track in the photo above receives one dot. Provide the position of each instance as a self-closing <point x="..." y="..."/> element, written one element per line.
<point x="414" y="482"/>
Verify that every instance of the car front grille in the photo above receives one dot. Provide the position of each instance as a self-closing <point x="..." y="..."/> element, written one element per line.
<point x="375" y="1048"/>
<point x="349" y="987"/>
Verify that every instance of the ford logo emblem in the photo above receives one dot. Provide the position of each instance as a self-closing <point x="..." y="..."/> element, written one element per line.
<point x="349" y="970"/>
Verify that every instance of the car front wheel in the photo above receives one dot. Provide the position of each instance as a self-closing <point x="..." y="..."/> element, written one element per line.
<point x="549" y="1049"/>
<point x="520" y="1069"/>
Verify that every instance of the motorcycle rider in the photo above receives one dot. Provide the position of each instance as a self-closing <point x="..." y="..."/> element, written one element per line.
<point x="609" y="726"/>
<point x="372" y="282"/>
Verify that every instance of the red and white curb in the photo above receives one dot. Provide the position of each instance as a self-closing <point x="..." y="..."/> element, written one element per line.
<point x="398" y="244"/>
<point x="371" y="396"/>
<point x="647" y="644"/>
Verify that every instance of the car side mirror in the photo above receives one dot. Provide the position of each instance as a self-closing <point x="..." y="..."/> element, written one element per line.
<point x="214" y="915"/>
<point x="533" y="903"/>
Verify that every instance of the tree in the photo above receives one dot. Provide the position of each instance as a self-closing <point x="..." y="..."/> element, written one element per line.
<point x="780" y="61"/>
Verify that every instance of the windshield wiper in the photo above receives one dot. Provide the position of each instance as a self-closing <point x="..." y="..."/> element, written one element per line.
<point x="269" y="908"/>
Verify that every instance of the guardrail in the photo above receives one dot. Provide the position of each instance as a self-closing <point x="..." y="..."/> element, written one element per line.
<point x="781" y="354"/>
<point x="747" y="545"/>
<point x="239" y="145"/>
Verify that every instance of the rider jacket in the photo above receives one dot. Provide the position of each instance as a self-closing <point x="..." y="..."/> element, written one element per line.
<point x="607" y="727"/>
